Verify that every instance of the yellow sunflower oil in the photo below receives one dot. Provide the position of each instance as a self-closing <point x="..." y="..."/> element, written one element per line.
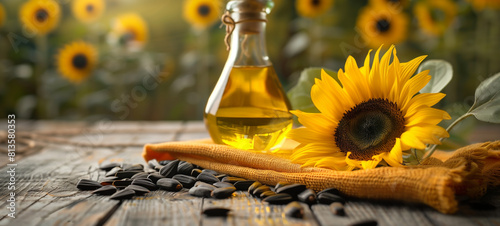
<point x="250" y="110"/>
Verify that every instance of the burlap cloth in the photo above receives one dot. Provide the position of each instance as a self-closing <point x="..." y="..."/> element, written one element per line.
<point x="468" y="171"/>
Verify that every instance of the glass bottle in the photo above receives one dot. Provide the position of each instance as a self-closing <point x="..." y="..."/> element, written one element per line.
<point x="248" y="107"/>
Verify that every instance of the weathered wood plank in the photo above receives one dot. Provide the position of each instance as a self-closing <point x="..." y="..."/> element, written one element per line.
<point x="246" y="210"/>
<point x="159" y="208"/>
<point x="383" y="213"/>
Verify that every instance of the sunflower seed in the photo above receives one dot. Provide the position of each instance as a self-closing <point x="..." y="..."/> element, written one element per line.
<point x="185" y="168"/>
<point x="221" y="176"/>
<point x="139" y="190"/>
<point x="209" y="171"/>
<point x="328" y="198"/>
<point x="135" y="167"/>
<point x="169" y="184"/>
<point x="122" y="183"/>
<point x="308" y="196"/>
<point x="223" y="185"/>
<point x="165" y="162"/>
<point x="260" y="189"/>
<point x="331" y="191"/>
<point x="123" y="194"/>
<point x="153" y="163"/>
<point x="337" y="208"/>
<point x="195" y="172"/>
<point x="280" y="184"/>
<point x="266" y="194"/>
<point x="216" y="212"/>
<point x="207" y="178"/>
<point x="292" y="189"/>
<point x="86" y="185"/>
<point x="108" y="166"/>
<point x="108" y="180"/>
<point x="279" y="199"/>
<point x="112" y="172"/>
<point x="105" y="190"/>
<point x="365" y="223"/>
<point x="126" y="174"/>
<point x="252" y="187"/>
<point x="294" y="209"/>
<point x="170" y="169"/>
<point x="142" y="175"/>
<point x="147" y="183"/>
<point x="185" y="180"/>
<point x="154" y="177"/>
<point x="232" y="180"/>
<point x="200" y="192"/>
<point x="243" y="185"/>
<point x="222" y="193"/>
<point x="203" y="184"/>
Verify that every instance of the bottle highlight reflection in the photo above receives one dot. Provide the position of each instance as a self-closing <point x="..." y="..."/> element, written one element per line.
<point x="248" y="108"/>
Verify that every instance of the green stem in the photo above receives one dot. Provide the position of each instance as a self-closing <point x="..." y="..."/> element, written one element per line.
<point x="433" y="147"/>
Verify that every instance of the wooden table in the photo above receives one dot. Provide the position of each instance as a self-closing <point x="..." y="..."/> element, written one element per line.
<point x="64" y="152"/>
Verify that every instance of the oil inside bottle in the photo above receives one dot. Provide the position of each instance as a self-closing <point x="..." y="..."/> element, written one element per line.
<point x="252" y="112"/>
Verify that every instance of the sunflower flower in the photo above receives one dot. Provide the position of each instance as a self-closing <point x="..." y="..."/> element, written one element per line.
<point x="312" y="8"/>
<point x="480" y="5"/>
<point x="434" y="17"/>
<point x="88" y="11"/>
<point x="40" y="16"/>
<point x="2" y="15"/>
<point x="202" y="13"/>
<point x="76" y="61"/>
<point x="130" y="29"/>
<point x="381" y="25"/>
<point x="373" y="115"/>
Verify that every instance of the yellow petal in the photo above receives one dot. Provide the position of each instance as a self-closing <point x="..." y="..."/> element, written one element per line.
<point x="427" y="115"/>
<point x="409" y="68"/>
<point x="316" y="121"/>
<point x="395" y="157"/>
<point x="423" y="99"/>
<point x="305" y="135"/>
<point x="411" y="140"/>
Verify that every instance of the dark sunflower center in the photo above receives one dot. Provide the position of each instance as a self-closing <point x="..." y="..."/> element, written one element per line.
<point x="315" y="2"/>
<point x="89" y="8"/>
<point x="41" y="15"/>
<point x="369" y="128"/>
<point x="79" y="61"/>
<point x="383" y="25"/>
<point x="204" y="10"/>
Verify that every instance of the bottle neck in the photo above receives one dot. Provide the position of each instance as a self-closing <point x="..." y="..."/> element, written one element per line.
<point x="248" y="44"/>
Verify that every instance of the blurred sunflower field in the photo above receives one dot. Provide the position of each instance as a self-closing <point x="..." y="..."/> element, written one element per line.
<point x="160" y="59"/>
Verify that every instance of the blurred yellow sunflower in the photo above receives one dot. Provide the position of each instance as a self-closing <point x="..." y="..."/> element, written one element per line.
<point x="480" y="5"/>
<point x="397" y="4"/>
<point x="76" y="60"/>
<point x="434" y="17"/>
<point x="88" y="10"/>
<point x="312" y="8"/>
<point x="2" y="15"/>
<point x="202" y="13"/>
<point x="40" y="16"/>
<point x="373" y="115"/>
<point x="130" y="29"/>
<point x="381" y="25"/>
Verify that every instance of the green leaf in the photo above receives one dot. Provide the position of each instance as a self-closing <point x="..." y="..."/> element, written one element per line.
<point x="487" y="100"/>
<point x="441" y="72"/>
<point x="300" y="94"/>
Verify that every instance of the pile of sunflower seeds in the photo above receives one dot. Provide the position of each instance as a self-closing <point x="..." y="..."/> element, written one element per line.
<point x="124" y="181"/>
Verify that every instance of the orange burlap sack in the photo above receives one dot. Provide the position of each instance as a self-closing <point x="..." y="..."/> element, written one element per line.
<point x="469" y="171"/>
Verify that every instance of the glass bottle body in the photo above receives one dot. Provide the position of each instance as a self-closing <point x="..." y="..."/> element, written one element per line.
<point x="248" y="108"/>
